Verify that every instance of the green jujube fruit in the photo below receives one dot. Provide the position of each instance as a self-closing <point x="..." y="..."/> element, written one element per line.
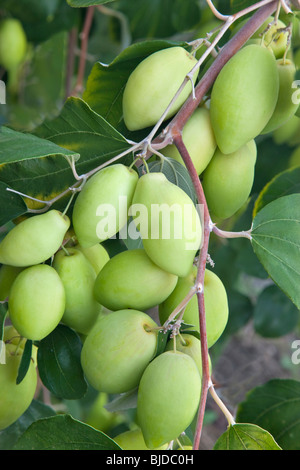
<point x="168" y="222"/>
<point x="99" y="417"/>
<point x="101" y="208"/>
<point x="215" y="301"/>
<point x="96" y="254"/>
<point x="78" y="277"/>
<point x="244" y="97"/>
<point x="228" y="180"/>
<point x="131" y="280"/>
<point x="198" y="138"/>
<point x="15" y="398"/>
<point x="7" y="276"/>
<point x="285" y="107"/>
<point x="133" y="440"/>
<point x="36" y="302"/>
<point x="152" y="85"/>
<point x="34" y="240"/>
<point x="117" y="350"/>
<point x="13" y="43"/>
<point x="190" y="345"/>
<point x="168" y="397"/>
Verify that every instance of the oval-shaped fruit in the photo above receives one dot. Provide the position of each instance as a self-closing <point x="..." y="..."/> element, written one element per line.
<point x="294" y="159"/>
<point x="215" y="299"/>
<point x="285" y="107"/>
<point x="96" y="254"/>
<point x="101" y="208"/>
<point x="190" y="345"/>
<point x="37" y="301"/>
<point x="78" y="277"/>
<point x="168" y="397"/>
<point x="13" y="43"/>
<point x="168" y="222"/>
<point x="131" y="280"/>
<point x="7" y="276"/>
<point x="277" y="38"/>
<point x="133" y="440"/>
<point x="34" y="240"/>
<point x="152" y="85"/>
<point x="288" y="131"/>
<point x="117" y="350"/>
<point x="244" y="97"/>
<point x="198" y="138"/>
<point x="228" y="180"/>
<point x="15" y="399"/>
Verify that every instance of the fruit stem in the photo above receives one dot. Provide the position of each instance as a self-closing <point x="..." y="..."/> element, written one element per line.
<point x="221" y="405"/>
<point x="227" y="234"/>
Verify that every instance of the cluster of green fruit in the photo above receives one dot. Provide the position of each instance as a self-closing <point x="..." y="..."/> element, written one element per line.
<point x="252" y="96"/>
<point x="55" y="269"/>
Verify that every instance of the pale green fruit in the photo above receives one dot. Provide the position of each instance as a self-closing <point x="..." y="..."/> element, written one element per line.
<point x="131" y="280"/>
<point x="244" y="97"/>
<point x="34" y="240"/>
<point x="133" y="440"/>
<point x="276" y="39"/>
<point x="101" y="208"/>
<point x="228" y="180"/>
<point x="12" y="336"/>
<point x="168" y="222"/>
<point x="168" y="397"/>
<point x="117" y="350"/>
<point x="295" y="158"/>
<point x="190" y="345"/>
<point x="13" y="43"/>
<point x="7" y="276"/>
<point x="199" y="140"/>
<point x="285" y="107"/>
<point x="152" y="85"/>
<point x="78" y="277"/>
<point x="215" y="300"/>
<point x="15" y="399"/>
<point x="96" y="254"/>
<point x="99" y="417"/>
<point x="37" y="301"/>
<point x="287" y="131"/>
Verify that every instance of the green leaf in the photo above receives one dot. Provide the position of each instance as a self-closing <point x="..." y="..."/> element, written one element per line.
<point x="12" y="205"/>
<point x="275" y="406"/>
<point x="25" y="361"/>
<point x="286" y="182"/>
<point x="59" y="364"/>
<point x="62" y="432"/>
<point x="274" y="314"/>
<point x="10" y="435"/>
<point x="86" y="3"/>
<point x="122" y="402"/>
<point x="106" y="83"/>
<point x="246" y="437"/>
<point x="276" y="242"/>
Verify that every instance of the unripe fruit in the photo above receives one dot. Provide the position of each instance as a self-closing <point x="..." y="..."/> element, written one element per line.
<point x="101" y="208"/>
<point x="15" y="399"/>
<point x="117" y="350"/>
<point x="7" y="276"/>
<point x="152" y="85"/>
<point x="199" y="140"/>
<point x="131" y="280"/>
<point x="13" y="43"/>
<point x="99" y="417"/>
<point x="285" y="107"/>
<point x="168" y="222"/>
<point x="294" y="159"/>
<point x="12" y="336"/>
<point x="190" y="345"/>
<point x="168" y="397"/>
<point x="244" y="97"/>
<point x="276" y="39"/>
<point x="133" y="440"/>
<point x="96" y="254"/>
<point x="34" y="240"/>
<point x="78" y="277"/>
<point x="286" y="133"/>
<point x="215" y="300"/>
<point x="36" y="302"/>
<point x="228" y="180"/>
